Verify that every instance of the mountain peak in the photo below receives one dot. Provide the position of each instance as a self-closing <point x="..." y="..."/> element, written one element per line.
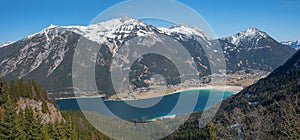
<point x="50" y="52"/>
<point x="127" y="19"/>
<point x="51" y="26"/>
<point x="185" y="30"/>
<point x="250" y="35"/>
<point x="252" y="31"/>
<point x="116" y="22"/>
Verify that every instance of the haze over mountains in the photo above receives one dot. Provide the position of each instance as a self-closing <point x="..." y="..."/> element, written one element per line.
<point x="47" y="55"/>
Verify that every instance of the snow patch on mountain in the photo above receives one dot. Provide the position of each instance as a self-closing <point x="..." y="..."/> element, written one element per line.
<point x="184" y="30"/>
<point x="6" y="44"/>
<point x="112" y="32"/>
<point x="293" y="44"/>
<point x="250" y="34"/>
<point x="50" y="42"/>
<point x="115" y="31"/>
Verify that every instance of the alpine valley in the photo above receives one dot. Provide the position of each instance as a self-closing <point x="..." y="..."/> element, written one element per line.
<point x="47" y="56"/>
<point x="268" y="107"/>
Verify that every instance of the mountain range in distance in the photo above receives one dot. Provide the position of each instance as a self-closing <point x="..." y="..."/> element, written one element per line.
<point x="47" y="56"/>
<point x="293" y="44"/>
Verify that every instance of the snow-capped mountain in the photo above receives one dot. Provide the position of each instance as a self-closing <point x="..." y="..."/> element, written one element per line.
<point x="47" y="56"/>
<point x="116" y="31"/>
<point x="251" y="37"/>
<point x="254" y="49"/>
<point x="5" y="44"/>
<point x="184" y="30"/>
<point x="293" y="44"/>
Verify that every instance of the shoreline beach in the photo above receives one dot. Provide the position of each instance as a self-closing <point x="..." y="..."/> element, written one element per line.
<point x="124" y="97"/>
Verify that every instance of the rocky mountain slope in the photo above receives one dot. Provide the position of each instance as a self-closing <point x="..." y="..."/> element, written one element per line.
<point x="268" y="109"/>
<point x="53" y="115"/>
<point x="254" y="49"/>
<point x="47" y="55"/>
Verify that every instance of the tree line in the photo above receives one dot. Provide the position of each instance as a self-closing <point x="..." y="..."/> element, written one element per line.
<point x="24" y="124"/>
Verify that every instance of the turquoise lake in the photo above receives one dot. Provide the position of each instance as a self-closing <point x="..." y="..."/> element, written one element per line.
<point x="178" y="103"/>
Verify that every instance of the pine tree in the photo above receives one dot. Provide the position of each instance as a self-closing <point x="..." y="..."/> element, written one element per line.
<point x="13" y="90"/>
<point x="32" y="130"/>
<point x="20" y="126"/>
<point x="71" y="132"/>
<point x="19" y="88"/>
<point x="8" y="124"/>
<point x="45" y="132"/>
<point x="45" y="107"/>
<point x="36" y="90"/>
<point x="3" y="91"/>
<point x="212" y="131"/>
<point x="29" y="90"/>
<point x="55" y="131"/>
<point x="62" y="131"/>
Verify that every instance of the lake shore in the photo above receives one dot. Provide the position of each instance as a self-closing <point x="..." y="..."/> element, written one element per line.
<point x="234" y="89"/>
<point x="147" y="95"/>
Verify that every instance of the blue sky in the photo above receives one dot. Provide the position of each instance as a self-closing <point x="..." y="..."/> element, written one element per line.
<point x="279" y="18"/>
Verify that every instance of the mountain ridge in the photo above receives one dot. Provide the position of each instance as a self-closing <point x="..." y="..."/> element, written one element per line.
<point x="47" y="55"/>
<point x="251" y="32"/>
<point x="268" y="109"/>
<point x="266" y="103"/>
<point x="293" y="44"/>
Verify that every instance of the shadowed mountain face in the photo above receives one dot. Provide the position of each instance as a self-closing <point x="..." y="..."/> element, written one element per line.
<point x="268" y="109"/>
<point x="47" y="56"/>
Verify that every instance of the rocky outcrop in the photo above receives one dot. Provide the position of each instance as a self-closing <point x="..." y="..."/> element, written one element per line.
<point x="52" y="115"/>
